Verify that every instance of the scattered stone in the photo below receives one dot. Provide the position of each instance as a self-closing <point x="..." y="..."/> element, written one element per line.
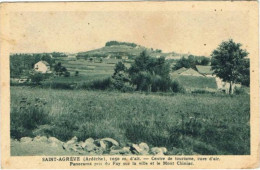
<point x="99" y="146"/>
<point x="123" y="151"/>
<point x="103" y="145"/>
<point x="54" y="140"/>
<point x="72" y="141"/>
<point x="90" y="147"/>
<point x="68" y="145"/>
<point x="144" y="148"/>
<point x="111" y="141"/>
<point x="25" y="139"/>
<point x="40" y="139"/>
<point x="89" y="140"/>
<point x="135" y="149"/>
<point x="158" y="150"/>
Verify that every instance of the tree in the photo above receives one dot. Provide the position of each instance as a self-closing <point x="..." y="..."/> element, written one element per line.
<point x="59" y="69"/>
<point x="244" y="78"/>
<point x="205" y="61"/>
<point x="119" y="67"/>
<point x="76" y="73"/>
<point x="183" y="62"/>
<point x="47" y="58"/>
<point x="37" y="78"/>
<point x="227" y="60"/>
<point x="146" y="72"/>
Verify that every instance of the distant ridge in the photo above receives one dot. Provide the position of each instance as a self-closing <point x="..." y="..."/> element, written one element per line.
<point x="117" y="49"/>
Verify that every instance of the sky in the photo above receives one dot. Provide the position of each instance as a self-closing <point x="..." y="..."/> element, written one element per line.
<point x="195" y="32"/>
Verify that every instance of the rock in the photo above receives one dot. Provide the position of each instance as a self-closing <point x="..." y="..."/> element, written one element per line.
<point x="68" y="145"/>
<point x="135" y="149"/>
<point x="89" y="140"/>
<point x="40" y="139"/>
<point x="54" y="140"/>
<point x="25" y="139"/>
<point x="158" y="150"/>
<point x="144" y="148"/>
<point x="124" y="150"/>
<point x="72" y="141"/>
<point x="98" y="151"/>
<point x="90" y="147"/>
<point x="110" y="141"/>
<point x="103" y="145"/>
<point x="77" y="148"/>
<point x="141" y="149"/>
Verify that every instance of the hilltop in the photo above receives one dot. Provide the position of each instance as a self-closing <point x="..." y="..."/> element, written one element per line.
<point x="125" y="49"/>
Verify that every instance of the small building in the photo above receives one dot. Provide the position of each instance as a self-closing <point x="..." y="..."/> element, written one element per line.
<point x="42" y="66"/>
<point x="187" y="72"/>
<point x="125" y="57"/>
<point x="205" y="70"/>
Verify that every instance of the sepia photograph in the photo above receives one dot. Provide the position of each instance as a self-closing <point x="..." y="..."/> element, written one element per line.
<point x="130" y="82"/>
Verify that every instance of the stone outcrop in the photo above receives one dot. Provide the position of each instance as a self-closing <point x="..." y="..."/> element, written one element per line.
<point x="104" y="146"/>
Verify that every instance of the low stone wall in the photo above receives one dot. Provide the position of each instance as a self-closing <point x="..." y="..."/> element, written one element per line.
<point x="104" y="146"/>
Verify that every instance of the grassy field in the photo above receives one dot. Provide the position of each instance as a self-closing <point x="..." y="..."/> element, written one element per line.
<point x="194" y="82"/>
<point x="184" y="123"/>
<point x="88" y="71"/>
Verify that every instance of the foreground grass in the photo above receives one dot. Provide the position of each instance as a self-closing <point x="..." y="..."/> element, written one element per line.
<point x="184" y="123"/>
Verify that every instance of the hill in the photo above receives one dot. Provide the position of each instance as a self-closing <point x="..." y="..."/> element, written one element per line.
<point x="120" y="50"/>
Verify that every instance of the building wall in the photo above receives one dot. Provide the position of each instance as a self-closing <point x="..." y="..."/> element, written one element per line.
<point x="41" y="67"/>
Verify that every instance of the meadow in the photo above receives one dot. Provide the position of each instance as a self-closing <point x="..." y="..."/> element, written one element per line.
<point x="207" y="124"/>
<point x="191" y="83"/>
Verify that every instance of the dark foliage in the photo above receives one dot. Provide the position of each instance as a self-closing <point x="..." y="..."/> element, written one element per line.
<point x="21" y="64"/>
<point x="191" y="62"/>
<point x="110" y="43"/>
<point x="229" y="62"/>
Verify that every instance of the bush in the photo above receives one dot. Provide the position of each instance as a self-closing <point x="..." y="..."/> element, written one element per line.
<point x="201" y="91"/>
<point x="176" y="87"/>
<point x="37" y="78"/>
<point x="142" y="80"/>
<point x="102" y="84"/>
<point x="160" y="84"/>
<point x="76" y="73"/>
<point x="66" y="74"/>
<point x="58" y="85"/>
<point x="239" y="91"/>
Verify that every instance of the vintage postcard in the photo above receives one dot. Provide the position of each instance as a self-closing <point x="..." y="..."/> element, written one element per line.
<point x="129" y="85"/>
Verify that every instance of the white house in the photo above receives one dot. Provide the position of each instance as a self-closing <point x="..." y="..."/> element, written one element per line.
<point x="42" y="66"/>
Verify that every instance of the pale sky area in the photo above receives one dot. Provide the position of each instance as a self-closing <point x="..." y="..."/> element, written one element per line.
<point x="198" y="32"/>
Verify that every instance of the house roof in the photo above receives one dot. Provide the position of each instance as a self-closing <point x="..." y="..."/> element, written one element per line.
<point x="204" y="69"/>
<point x="44" y="62"/>
<point x="180" y="70"/>
<point x="191" y="72"/>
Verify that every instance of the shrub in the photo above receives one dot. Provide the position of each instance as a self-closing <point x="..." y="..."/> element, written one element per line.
<point x="76" y="73"/>
<point x="239" y="91"/>
<point x="102" y="84"/>
<point x="201" y="91"/>
<point x="37" y="78"/>
<point x="142" y="80"/>
<point x="66" y="74"/>
<point x="160" y="84"/>
<point x="58" y="85"/>
<point x="176" y="87"/>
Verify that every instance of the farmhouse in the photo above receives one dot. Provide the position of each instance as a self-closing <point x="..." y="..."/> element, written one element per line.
<point x="187" y="72"/>
<point x="125" y="57"/>
<point x="205" y="70"/>
<point x="221" y="85"/>
<point x="42" y="66"/>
